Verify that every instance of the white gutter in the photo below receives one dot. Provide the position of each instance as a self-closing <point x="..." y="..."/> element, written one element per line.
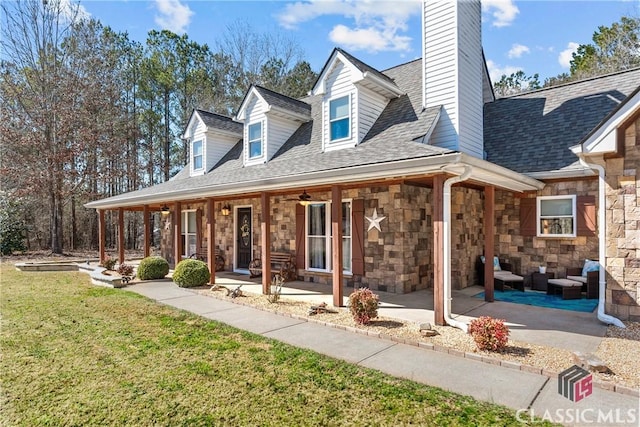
<point x="446" y="208"/>
<point x="602" y="236"/>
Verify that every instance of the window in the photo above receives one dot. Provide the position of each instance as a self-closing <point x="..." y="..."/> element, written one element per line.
<point x="196" y="150"/>
<point x="189" y="230"/>
<point x="557" y="216"/>
<point x="255" y="140"/>
<point x="319" y="236"/>
<point x="339" y="118"/>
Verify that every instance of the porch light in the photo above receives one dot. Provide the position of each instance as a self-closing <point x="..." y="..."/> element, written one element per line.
<point x="165" y="211"/>
<point x="226" y="210"/>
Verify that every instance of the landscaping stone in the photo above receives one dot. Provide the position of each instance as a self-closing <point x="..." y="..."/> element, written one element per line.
<point x="589" y="361"/>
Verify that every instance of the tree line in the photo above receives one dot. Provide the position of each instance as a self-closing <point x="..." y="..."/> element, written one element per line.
<point x="89" y="113"/>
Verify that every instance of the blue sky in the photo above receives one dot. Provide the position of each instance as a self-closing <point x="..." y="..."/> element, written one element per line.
<point x="533" y="36"/>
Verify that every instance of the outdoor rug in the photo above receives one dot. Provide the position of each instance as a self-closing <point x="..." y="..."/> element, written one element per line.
<point x="540" y="299"/>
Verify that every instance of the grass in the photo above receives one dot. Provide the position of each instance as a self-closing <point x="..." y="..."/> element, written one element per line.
<point x="75" y="354"/>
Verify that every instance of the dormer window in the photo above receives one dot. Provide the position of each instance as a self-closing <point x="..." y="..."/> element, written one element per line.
<point x="196" y="150"/>
<point x="339" y="118"/>
<point x="255" y="140"/>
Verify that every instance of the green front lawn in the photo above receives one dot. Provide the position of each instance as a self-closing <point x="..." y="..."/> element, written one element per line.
<point x="75" y="354"/>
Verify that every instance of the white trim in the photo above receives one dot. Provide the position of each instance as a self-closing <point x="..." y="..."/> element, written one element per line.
<point x="184" y="221"/>
<point x="574" y="216"/>
<point x="348" y="116"/>
<point x="235" y="238"/>
<point x="194" y="170"/>
<point x="328" y="237"/>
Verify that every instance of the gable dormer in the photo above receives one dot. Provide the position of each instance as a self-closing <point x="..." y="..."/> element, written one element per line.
<point x="269" y="120"/>
<point x="210" y="137"/>
<point x="353" y="97"/>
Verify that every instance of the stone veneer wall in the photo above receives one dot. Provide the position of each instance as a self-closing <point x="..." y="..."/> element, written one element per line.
<point x="527" y="253"/>
<point x="623" y="230"/>
<point x="397" y="259"/>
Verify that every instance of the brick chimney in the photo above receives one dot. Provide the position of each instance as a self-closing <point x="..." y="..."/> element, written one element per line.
<point x="453" y="72"/>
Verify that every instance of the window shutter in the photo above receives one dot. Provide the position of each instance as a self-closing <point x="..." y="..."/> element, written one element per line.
<point x="357" y="239"/>
<point x="528" y="217"/>
<point x="586" y="215"/>
<point x="300" y="236"/>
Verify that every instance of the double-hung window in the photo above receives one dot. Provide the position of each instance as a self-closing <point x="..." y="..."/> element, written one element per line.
<point x="255" y="140"/>
<point x="319" y="238"/>
<point x="196" y="152"/>
<point x="557" y="216"/>
<point x="189" y="231"/>
<point x="339" y="118"/>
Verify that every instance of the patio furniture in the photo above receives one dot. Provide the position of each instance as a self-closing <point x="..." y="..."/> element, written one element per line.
<point x="570" y="289"/>
<point x="539" y="280"/>
<point x="506" y="278"/>
<point x="281" y="263"/>
<point x="589" y="282"/>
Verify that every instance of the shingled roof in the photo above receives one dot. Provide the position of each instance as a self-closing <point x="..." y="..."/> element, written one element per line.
<point x="533" y="132"/>
<point x="218" y="121"/>
<point x="394" y="137"/>
<point x="282" y="101"/>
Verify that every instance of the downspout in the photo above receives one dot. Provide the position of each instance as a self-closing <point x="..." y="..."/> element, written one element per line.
<point x="602" y="247"/>
<point x="446" y="214"/>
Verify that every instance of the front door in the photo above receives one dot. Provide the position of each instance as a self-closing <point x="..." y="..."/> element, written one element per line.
<point x="243" y="238"/>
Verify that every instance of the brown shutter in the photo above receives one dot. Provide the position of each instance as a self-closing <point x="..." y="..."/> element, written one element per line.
<point x="300" y="234"/>
<point x="528" y="217"/>
<point x="586" y="215"/>
<point x="357" y="237"/>
<point x="198" y="230"/>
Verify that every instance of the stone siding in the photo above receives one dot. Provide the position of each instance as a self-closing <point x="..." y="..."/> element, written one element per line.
<point x="623" y="231"/>
<point x="527" y="253"/>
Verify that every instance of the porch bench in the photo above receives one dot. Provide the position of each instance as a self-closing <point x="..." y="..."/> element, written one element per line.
<point x="282" y="263"/>
<point x="202" y="256"/>
<point x="589" y="282"/>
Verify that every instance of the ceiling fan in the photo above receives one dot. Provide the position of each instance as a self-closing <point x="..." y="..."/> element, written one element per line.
<point x="304" y="198"/>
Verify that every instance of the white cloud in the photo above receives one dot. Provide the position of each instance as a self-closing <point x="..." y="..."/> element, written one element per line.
<point x="174" y="16"/>
<point x="377" y="25"/>
<point x="71" y="11"/>
<point x="565" y="57"/>
<point x="517" y="50"/>
<point x="496" y="72"/>
<point x="503" y="12"/>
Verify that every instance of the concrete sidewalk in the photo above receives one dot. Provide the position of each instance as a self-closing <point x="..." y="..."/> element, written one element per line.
<point x="514" y="388"/>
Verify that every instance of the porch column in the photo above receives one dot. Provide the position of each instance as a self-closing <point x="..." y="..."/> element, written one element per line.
<point x="120" y="235"/>
<point x="265" y="230"/>
<point x="489" y="213"/>
<point x="211" y="240"/>
<point x="101" y="236"/>
<point x="147" y="235"/>
<point x="438" y="249"/>
<point x="336" y="250"/>
<point x="177" y="233"/>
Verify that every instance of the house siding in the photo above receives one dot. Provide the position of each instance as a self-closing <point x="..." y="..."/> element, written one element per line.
<point x="454" y="80"/>
<point x="279" y="132"/>
<point x="215" y="148"/>
<point x="338" y="84"/>
<point x="623" y="229"/>
<point x="255" y="112"/>
<point x="370" y="106"/>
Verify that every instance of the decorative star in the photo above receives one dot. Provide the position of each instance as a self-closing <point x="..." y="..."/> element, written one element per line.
<point x="374" y="221"/>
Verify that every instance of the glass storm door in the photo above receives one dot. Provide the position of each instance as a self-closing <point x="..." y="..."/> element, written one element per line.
<point x="243" y="238"/>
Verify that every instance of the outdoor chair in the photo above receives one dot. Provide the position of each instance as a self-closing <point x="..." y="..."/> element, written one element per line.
<point x="502" y="275"/>
<point x="588" y="275"/>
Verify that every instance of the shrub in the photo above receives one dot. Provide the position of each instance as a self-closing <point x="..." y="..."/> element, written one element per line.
<point x="109" y="263"/>
<point x="489" y="333"/>
<point x="190" y="273"/>
<point x="125" y="270"/>
<point x="363" y="305"/>
<point x="153" y="267"/>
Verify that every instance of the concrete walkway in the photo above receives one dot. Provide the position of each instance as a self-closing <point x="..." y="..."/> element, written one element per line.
<point x="514" y="388"/>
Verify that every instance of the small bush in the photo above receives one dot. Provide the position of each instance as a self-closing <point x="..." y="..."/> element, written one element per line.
<point x="363" y="305"/>
<point x="153" y="267"/>
<point x="489" y="333"/>
<point x="125" y="270"/>
<point x="109" y="263"/>
<point x="190" y="273"/>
